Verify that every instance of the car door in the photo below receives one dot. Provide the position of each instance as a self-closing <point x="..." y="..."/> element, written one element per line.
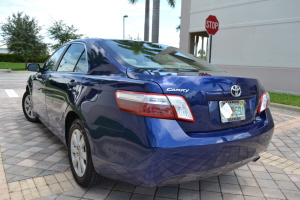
<point x="39" y="90"/>
<point x="63" y="85"/>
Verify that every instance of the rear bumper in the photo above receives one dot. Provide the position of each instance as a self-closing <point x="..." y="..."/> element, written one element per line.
<point x="197" y="156"/>
<point x="195" y="163"/>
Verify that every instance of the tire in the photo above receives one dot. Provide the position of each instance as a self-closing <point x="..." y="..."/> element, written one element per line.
<point x="80" y="157"/>
<point x="27" y="108"/>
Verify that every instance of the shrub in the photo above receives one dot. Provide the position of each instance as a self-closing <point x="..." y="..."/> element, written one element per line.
<point x="15" y="58"/>
<point x="8" y="57"/>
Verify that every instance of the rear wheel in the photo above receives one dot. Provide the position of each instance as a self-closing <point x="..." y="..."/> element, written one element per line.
<point x="27" y="108"/>
<point x="80" y="157"/>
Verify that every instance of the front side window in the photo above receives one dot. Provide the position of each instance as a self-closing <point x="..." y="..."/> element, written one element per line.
<point x="53" y="60"/>
<point x="71" y="57"/>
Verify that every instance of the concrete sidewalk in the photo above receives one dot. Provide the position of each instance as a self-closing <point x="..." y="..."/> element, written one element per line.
<point x="34" y="164"/>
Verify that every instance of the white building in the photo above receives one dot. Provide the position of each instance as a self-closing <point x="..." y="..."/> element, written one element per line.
<point x="3" y="47"/>
<point x="3" y="50"/>
<point x="256" y="38"/>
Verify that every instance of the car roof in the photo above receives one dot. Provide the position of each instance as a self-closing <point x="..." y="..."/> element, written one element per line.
<point x="99" y="39"/>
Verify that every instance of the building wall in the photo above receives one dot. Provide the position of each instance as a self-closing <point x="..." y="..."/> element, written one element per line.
<point x="278" y="79"/>
<point x="254" y="37"/>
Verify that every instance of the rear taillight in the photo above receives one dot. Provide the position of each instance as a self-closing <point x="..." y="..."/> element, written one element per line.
<point x="154" y="105"/>
<point x="264" y="102"/>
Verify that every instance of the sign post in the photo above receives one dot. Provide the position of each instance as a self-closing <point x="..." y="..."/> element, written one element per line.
<point x="212" y="27"/>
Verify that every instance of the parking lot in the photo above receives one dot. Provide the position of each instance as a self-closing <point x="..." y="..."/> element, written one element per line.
<point x="34" y="163"/>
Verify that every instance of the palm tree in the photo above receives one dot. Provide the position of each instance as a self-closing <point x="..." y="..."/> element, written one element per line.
<point x="155" y="18"/>
<point x="146" y="25"/>
<point x="202" y="54"/>
<point x="178" y="27"/>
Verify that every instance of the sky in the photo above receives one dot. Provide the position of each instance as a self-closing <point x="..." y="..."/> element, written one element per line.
<point x="101" y="19"/>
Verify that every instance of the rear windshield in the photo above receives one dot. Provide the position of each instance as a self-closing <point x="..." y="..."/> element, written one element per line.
<point x="154" y="56"/>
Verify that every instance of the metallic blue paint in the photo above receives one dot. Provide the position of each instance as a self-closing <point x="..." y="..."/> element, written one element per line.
<point x="149" y="151"/>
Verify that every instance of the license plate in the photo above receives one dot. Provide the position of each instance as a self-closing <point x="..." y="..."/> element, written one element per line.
<point x="232" y="110"/>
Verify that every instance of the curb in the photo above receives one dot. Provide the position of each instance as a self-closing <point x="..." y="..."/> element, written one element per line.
<point x="286" y="107"/>
<point x="5" y="70"/>
<point x="11" y="71"/>
<point x="22" y="72"/>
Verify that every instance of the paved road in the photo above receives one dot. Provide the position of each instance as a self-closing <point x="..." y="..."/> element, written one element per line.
<point x="15" y="76"/>
<point x="12" y="84"/>
<point x="34" y="163"/>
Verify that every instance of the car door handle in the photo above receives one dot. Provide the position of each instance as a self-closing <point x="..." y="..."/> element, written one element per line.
<point x="72" y="83"/>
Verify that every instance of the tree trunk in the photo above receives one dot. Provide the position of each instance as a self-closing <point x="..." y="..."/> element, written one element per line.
<point x="155" y="21"/>
<point x="26" y="61"/>
<point x="146" y="26"/>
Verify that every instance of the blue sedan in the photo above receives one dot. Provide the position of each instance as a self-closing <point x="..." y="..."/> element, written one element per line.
<point x="145" y="113"/>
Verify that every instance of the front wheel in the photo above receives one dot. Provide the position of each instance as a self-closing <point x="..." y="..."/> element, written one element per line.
<point x="80" y="157"/>
<point x="27" y="108"/>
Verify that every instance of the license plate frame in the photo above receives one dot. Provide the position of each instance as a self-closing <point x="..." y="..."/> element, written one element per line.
<point x="237" y="108"/>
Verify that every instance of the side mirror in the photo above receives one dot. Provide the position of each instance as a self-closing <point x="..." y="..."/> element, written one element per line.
<point x="34" y="67"/>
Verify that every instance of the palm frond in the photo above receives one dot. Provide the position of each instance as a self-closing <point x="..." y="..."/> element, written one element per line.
<point x="172" y="3"/>
<point x="132" y="1"/>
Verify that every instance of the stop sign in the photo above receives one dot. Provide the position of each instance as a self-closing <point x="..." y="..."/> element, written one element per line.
<point x="212" y="25"/>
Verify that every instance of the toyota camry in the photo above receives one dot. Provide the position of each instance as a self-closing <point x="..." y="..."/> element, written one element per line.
<point x="146" y="113"/>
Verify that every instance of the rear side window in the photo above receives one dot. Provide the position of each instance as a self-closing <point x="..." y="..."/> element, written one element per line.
<point x="82" y="65"/>
<point x="53" y="60"/>
<point x="71" y="57"/>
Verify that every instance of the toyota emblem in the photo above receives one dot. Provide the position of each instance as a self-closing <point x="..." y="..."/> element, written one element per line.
<point x="236" y="91"/>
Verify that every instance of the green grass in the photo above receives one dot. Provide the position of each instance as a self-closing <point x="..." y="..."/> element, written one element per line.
<point x="287" y="99"/>
<point x="14" y="66"/>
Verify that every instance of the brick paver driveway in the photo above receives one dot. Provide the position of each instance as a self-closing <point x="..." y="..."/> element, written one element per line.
<point x="34" y="164"/>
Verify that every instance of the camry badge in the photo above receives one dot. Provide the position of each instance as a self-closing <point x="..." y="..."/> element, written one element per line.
<point x="177" y="90"/>
<point x="236" y="91"/>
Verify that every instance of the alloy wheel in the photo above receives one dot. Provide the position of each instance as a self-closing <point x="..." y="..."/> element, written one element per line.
<point x="28" y="107"/>
<point x="78" y="152"/>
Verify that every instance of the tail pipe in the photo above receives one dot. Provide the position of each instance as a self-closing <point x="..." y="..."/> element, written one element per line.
<point x="256" y="159"/>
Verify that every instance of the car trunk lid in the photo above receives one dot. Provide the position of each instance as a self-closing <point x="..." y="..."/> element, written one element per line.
<point x="206" y="94"/>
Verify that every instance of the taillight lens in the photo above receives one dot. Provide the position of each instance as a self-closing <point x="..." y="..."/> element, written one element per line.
<point x="154" y="105"/>
<point x="264" y="102"/>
